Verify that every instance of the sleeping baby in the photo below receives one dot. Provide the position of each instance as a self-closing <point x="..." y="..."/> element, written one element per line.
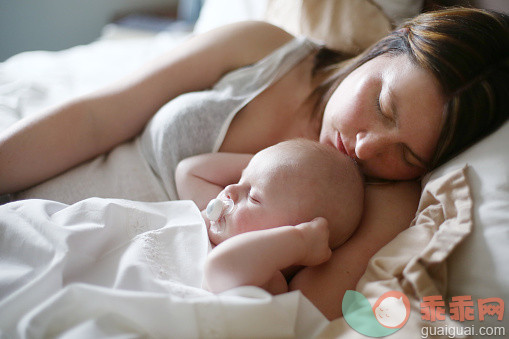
<point x="292" y="204"/>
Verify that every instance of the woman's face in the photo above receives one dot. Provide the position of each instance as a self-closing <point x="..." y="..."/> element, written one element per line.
<point x="387" y="115"/>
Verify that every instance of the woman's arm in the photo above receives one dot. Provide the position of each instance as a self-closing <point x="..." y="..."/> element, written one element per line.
<point x="388" y="210"/>
<point x="202" y="177"/>
<point x="40" y="147"/>
<point x="255" y="258"/>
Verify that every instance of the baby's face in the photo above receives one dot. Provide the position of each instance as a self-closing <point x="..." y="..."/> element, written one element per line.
<point x="266" y="196"/>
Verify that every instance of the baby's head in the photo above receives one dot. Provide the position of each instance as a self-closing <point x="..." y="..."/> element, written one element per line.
<point x="326" y="183"/>
<point x="293" y="182"/>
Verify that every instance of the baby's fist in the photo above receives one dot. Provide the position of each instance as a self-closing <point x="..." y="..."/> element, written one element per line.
<point x="315" y="235"/>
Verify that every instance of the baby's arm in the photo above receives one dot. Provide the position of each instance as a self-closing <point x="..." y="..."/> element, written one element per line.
<point x="256" y="258"/>
<point x="202" y="177"/>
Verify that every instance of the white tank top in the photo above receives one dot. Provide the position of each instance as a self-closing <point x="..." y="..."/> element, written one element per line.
<point x="197" y="122"/>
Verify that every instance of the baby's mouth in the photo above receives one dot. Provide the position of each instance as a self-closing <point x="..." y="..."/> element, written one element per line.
<point x="217" y="211"/>
<point x="219" y="208"/>
<point x="217" y="226"/>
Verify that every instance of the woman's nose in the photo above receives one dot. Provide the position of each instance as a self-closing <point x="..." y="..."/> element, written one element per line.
<point x="370" y="145"/>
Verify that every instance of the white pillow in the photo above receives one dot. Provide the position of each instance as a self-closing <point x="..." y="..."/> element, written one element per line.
<point x="349" y="26"/>
<point x="215" y="13"/>
<point x="478" y="267"/>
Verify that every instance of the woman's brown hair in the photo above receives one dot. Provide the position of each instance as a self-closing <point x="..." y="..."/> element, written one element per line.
<point x="467" y="50"/>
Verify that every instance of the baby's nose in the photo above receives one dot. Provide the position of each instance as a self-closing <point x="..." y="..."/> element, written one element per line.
<point x="231" y="192"/>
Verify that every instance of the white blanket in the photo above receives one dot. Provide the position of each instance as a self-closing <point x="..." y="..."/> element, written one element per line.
<point x="104" y="268"/>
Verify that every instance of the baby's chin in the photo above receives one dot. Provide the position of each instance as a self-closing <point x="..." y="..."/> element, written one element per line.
<point x="216" y="235"/>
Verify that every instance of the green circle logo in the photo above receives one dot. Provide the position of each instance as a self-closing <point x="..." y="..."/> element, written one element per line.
<point x="386" y="316"/>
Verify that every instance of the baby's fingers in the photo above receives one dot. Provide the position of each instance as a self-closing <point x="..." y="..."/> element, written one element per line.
<point x="315" y="235"/>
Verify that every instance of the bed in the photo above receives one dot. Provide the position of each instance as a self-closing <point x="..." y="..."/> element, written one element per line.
<point x="115" y="267"/>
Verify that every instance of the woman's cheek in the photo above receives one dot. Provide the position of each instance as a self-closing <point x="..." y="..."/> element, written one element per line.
<point x="344" y="112"/>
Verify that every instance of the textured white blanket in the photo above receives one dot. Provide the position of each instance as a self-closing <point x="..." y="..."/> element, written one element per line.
<point x="104" y="267"/>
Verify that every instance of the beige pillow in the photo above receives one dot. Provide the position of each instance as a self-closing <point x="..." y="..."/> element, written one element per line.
<point x="479" y="265"/>
<point x="345" y="25"/>
<point x="415" y="262"/>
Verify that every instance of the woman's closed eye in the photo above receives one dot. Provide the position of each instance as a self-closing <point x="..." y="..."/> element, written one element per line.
<point x="382" y="113"/>
<point x="411" y="159"/>
<point x="407" y="157"/>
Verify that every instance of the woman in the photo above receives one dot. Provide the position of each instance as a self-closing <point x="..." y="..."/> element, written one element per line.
<point x="412" y="101"/>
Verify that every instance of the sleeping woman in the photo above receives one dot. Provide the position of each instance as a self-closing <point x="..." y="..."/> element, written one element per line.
<point x="421" y="95"/>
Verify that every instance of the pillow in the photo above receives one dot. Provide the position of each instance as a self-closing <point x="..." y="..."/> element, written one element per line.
<point x="479" y="266"/>
<point x="345" y="25"/>
<point x="215" y="13"/>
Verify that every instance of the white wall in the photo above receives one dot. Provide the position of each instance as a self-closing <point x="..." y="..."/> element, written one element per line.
<point x="56" y="24"/>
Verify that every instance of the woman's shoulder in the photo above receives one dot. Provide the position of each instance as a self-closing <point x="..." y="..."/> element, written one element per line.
<point x="253" y="40"/>
<point x="389" y="193"/>
<point x="388" y="210"/>
<point x="394" y="202"/>
<point x="259" y="27"/>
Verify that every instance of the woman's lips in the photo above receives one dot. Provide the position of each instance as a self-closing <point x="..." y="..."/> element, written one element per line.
<point x="339" y="144"/>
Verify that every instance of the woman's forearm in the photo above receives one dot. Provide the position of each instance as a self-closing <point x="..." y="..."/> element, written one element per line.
<point x="42" y="146"/>
<point x="325" y="285"/>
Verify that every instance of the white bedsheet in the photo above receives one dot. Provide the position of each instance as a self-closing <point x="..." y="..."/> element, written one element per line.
<point x="105" y="267"/>
<point x="33" y="81"/>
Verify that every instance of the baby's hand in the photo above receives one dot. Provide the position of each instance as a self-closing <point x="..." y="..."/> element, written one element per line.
<point x="315" y="235"/>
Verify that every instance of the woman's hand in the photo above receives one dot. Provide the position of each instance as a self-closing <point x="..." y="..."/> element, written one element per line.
<point x="315" y="235"/>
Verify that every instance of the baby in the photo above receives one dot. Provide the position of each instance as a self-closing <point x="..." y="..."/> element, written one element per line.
<point x="292" y="204"/>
